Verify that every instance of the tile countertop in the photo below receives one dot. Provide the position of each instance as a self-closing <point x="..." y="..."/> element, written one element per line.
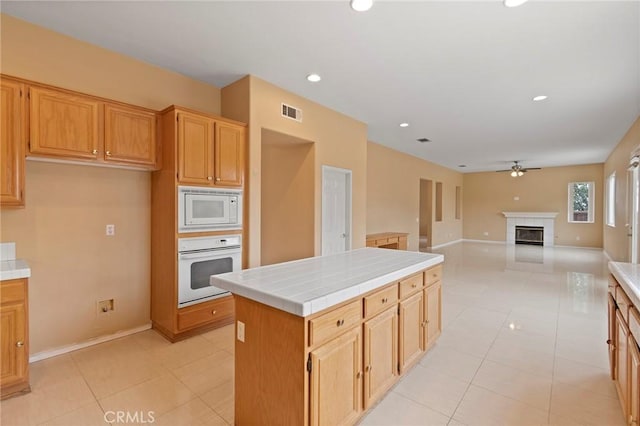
<point x="306" y="286"/>
<point x="14" y="269"/>
<point x="628" y="275"/>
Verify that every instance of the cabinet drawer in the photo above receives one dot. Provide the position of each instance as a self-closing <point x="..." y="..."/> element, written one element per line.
<point x="634" y="323"/>
<point x="432" y="275"/>
<point x="411" y="284"/>
<point x="392" y="240"/>
<point x="334" y="322"/>
<point x="12" y="291"/>
<point x="208" y="312"/>
<point x="379" y="301"/>
<point x="381" y="241"/>
<point x="623" y="302"/>
<point x="371" y="243"/>
<point x="612" y="284"/>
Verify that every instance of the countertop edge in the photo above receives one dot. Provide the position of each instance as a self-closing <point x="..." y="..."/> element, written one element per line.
<point x="632" y="290"/>
<point x="14" y="270"/>
<point x="321" y="303"/>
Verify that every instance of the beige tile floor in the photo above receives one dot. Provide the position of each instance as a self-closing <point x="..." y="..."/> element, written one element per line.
<point x="522" y="343"/>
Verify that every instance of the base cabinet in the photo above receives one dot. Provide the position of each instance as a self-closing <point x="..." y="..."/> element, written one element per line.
<point x="411" y="330"/>
<point x="336" y="381"/>
<point x="380" y="355"/>
<point x="14" y="344"/>
<point x="634" y="383"/>
<point x="433" y="322"/>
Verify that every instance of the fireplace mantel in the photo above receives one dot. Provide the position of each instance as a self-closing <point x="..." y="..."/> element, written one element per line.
<point x="538" y="215"/>
<point x="543" y="219"/>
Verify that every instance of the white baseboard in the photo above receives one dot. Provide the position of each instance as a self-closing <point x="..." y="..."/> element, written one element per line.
<point x="466" y="240"/>
<point x="70" y="348"/>
<point x="579" y="247"/>
<point x="447" y="244"/>
<point x="607" y="255"/>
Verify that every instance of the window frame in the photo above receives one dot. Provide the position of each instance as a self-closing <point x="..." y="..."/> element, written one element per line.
<point x="610" y="201"/>
<point x="591" y="216"/>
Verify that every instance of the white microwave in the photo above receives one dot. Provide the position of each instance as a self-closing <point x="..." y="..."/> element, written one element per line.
<point x="208" y="209"/>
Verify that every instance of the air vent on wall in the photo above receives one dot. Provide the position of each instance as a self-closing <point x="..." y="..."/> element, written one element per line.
<point x="423" y="140"/>
<point x="291" y="112"/>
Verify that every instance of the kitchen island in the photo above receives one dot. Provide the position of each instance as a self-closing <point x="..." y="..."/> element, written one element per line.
<point x="320" y="340"/>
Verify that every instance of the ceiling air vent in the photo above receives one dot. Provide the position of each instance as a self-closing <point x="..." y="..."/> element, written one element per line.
<point x="292" y="112"/>
<point x="423" y="140"/>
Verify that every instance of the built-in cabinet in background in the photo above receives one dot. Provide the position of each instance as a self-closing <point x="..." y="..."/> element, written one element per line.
<point x="14" y="337"/>
<point x="197" y="150"/>
<point x="624" y="353"/>
<point x="353" y="353"/>
<point x="12" y="140"/>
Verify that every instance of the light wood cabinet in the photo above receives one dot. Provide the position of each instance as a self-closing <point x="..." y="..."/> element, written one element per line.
<point x="611" y="340"/>
<point x="634" y="382"/>
<point x="130" y="136"/>
<point x="622" y="348"/>
<point x="380" y="355"/>
<point x="411" y="324"/>
<point x="12" y="139"/>
<point x="390" y="240"/>
<point x="14" y="343"/>
<point x="336" y="381"/>
<point x="63" y="124"/>
<point x="210" y="152"/>
<point x="433" y="320"/>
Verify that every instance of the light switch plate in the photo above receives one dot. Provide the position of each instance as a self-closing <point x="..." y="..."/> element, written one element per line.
<point x="240" y="331"/>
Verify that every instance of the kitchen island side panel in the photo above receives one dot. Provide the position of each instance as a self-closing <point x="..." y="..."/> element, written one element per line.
<point x="271" y="380"/>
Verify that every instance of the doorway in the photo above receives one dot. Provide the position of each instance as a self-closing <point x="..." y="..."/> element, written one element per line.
<point x="287" y="202"/>
<point x="633" y="210"/>
<point x="336" y="210"/>
<point x="426" y="214"/>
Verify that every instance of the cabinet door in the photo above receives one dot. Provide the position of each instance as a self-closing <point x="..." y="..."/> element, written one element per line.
<point x="229" y="154"/>
<point x="611" y="341"/>
<point x="380" y="355"/>
<point x="634" y="383"/>
<point x="11" y="143"/>
<point x="411" y="319"/>
<point x="433" y="322"/>
<point x="129" y="136"/>
<point x="195" y="149"/>
<point x="336" y="381"/>
<point x="64" y="125"/>
<point x="622" y="352"/>
<point x="13" y="344"/>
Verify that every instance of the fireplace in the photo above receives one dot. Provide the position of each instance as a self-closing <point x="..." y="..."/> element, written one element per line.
<point x="533" y="235"/>
<point x="541" y="220"/>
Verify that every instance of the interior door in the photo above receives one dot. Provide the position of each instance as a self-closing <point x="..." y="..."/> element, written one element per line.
<point x="336" y="210"/>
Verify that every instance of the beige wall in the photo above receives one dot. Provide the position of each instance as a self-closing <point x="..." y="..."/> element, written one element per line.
<point x="488" y="194"/>
<point x="340" y="141"/>
<point x="287" y="222"/>
<point x="61" y="230"/>
<point x="616" y="242"/>
<point x="393" y="195"/>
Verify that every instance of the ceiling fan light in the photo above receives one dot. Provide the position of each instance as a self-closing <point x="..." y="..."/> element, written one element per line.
<point x="514" y="3"/>
<point x="514" y="173"/>
<point x="520" y="172"/>
<point x="361" y="5"/>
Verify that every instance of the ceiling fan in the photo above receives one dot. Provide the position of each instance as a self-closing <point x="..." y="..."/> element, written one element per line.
<point x="517" y="170"/>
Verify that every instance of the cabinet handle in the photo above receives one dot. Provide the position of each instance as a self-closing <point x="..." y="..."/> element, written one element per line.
<point x="209" y="178"/>
<point x="367" y="368"/>
<point x="340" y="323"/>
<point x="19" y="344"/>
<point x="609" y="341"/>
<point x="213" y="312"/>
<point x="385" y="300"/>
<point x="217" y="179"/>
<point x="108" y="153"/>
<point x="414" y="285"/>
<point x="358" y="374"/>
<point x="94" y="152"/>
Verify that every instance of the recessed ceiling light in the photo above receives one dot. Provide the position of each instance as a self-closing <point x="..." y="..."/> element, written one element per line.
<point x="314" y="78"/>
<point x="540" y="98"/>
<point x="404" y="124"/>
<point x="361" y="5"/>
<point x="514" y="3"/>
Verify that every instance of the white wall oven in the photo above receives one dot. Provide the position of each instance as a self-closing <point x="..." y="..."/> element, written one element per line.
<point x="201" y="257"/>
<point x="208" y="209"/>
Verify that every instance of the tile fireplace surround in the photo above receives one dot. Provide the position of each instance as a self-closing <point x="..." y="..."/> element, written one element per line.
<point x="544" y="219"/>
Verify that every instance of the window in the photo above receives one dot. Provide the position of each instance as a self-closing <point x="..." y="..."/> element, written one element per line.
<point x="611" y="200"/>
<point x="581" y="202"/>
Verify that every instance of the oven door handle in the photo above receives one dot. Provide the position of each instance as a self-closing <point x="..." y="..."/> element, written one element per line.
<point x="212" y="254"/>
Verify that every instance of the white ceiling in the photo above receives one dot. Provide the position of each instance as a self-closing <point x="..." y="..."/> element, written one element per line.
<point x="461" y="73"/>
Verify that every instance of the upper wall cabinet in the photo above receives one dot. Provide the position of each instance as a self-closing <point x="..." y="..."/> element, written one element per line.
<point x="129" y="135"/>
<point x="64" y="125"/>
<point x="71" y="126"/>
<point x="12" y="133"/>
<point x="210" y="152"/>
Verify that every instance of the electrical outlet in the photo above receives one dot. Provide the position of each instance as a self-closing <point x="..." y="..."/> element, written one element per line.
<point x="110" y="230"/>
<point x="240" y="331"/>
<point x="105" y="306"/>
<point x="485" y="233"/>
<point x="578" y="238"/>
<point x="516" y="198"/>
